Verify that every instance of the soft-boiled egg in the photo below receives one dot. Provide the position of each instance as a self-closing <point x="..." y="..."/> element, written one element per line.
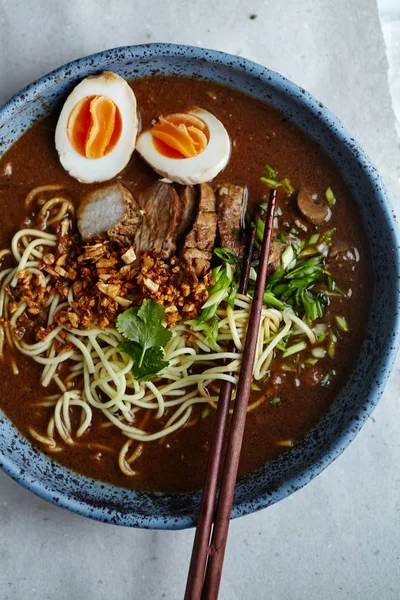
<point x="188" y="148"/>
<point x="97" y="128"/>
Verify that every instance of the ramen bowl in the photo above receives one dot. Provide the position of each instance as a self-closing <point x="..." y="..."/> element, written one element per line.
<point x="363" y="388"/>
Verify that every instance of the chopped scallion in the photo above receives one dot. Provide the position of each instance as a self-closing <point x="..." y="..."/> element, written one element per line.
<point x="313" y="239"/>
<point x="311" y="361"/>
<point x="271" y="182"/>
<point x="229" y="271"/>
<point x="255" y="387"/>
<point x="232" y="294"/>
<point x="211" y="333"/>
<point x="327" y="237"/>
<point x="216" y="298"/>
<point x="320" y="329"/>
<point x="327" y="379"/>
<point x="332" y="344"/>
<point x="281" y="347"/>
<point x="205" y="412"/>
<point x="282" y="238"/>
<point x="275" y="401"/>
<point x="272" y="174"/>
<point x="289" y="189"/>
<point x="318" y="352"/>
<point x="295" y="349"/>
<point x="226" y="255"/>
<point x="287" y="257"/>
<point x="271" y="300"/>
<point x="216" y="273"/>
<point x="309" y="251"/>
<point x="329" y="195"/>
<point x="253" y="274"/>
<point x="342" y="324"/>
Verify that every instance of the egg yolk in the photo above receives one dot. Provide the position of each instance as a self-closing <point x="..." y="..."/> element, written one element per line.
<point x="94" y="126"/>
<point x="180" y="135"/>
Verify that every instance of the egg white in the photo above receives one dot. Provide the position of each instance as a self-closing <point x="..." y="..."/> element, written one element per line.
<point x="89" y="170"/>
<point x="198" y="169"/>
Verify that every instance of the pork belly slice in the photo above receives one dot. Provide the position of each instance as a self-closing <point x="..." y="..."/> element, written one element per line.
<point x="197" y="250"/>
<point x="231" y="201"/>
<point x="110" y="212"/>
<point x="189" y="203"/>
<point x="161" y="209"/>
<point x="275" y="256"/>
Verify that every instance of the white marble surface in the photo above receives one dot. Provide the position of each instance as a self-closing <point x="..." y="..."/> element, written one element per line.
<point x="336" y="539"/>
<point x="389" y="11"/>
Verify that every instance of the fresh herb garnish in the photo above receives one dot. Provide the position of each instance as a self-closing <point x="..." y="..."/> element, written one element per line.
<point x="145" y="366"/>
<point x="141" y="326"/>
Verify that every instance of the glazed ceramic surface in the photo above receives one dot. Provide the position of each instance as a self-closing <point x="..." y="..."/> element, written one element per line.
<point x="357" y="399"/>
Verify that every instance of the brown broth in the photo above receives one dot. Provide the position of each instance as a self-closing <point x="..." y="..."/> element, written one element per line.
<point x="260" y="135"/>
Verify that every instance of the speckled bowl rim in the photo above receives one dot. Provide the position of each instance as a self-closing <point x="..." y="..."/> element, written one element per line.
<point x="306" y="102"/>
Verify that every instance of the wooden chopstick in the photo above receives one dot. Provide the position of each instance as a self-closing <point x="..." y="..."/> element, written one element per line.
<point x="221" y="522"/>
<point x="208" y="588"/>
<point x="200" y="549"/>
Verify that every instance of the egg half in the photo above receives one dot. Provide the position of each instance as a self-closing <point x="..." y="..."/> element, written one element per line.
<point x="187" y="148"/>
<point x="97" y="128"/>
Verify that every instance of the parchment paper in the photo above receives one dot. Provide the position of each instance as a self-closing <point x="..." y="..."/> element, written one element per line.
<point x="336" y="539"/>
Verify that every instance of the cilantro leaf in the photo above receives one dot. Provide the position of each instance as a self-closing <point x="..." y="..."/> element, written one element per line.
<point x="143" y="326"/>
<point x="145" y="365"/>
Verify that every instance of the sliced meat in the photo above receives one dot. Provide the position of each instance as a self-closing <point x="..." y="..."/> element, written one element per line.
<point x="230" y="203"/>
<point x="109" y="212"/>
<point x="199" y="242"/>
<point x="314" y="209"/>
<point x="275" y="256"/>
<point x="161" y="209"/>
<point x="189" y="211"/>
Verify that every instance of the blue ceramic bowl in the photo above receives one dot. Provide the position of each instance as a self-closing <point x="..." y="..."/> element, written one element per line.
<point x="341" y="423"/>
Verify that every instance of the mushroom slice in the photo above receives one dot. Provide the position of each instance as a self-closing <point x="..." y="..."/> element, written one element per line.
<point x="314" y="209"/>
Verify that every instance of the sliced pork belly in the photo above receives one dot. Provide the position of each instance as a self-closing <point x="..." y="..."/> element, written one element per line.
<point x="189" y="204"/>
<point x="199" y="242"/>
<point x="161" y="209"/>
<point x="109" y="212"/>
<point x="231" y="201"/>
